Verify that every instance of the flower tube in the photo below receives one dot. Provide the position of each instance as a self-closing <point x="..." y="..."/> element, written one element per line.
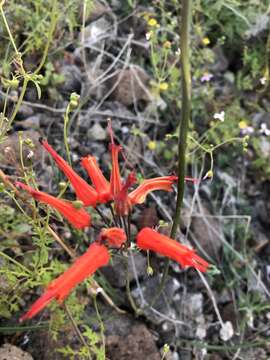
<point x="102" y="186"/>
<point x="79" y="218"/>
<point x="138" y="195"/>
<point x="86" y="193"/>
<point x="148" y="239"/>
<point x="95" y="257"/>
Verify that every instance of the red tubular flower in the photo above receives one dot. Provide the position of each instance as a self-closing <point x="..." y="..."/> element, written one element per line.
<point x="138" y="195"/>
<point x="86" y="193"/>
<point x="122" y="201"/>
<point x="102" y="186"/>
<point x="148" y="239"/>
<point x="115" y="236"/>
<point x="115" y="180"/>
<point x="95" y="257"/>
<point x="79" y="218"/>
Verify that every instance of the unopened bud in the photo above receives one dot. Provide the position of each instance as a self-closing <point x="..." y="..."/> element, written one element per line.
<point x="62" y="185"/>
<point x="74" y="100"/>
<point x="78" y="204"/>
<point x="150" y="271"/>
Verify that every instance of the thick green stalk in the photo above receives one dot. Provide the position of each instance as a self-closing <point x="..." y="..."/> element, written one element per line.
<point x="183" y="126"/>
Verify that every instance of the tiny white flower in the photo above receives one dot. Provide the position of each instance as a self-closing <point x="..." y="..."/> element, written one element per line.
<point x="226" y="332"/>
<point x="178" y="52"/>
<point x="263" y="80"/>
<point x="220" y="116"/>
<point x="148" y="36"/>
<point x="264" y="129"/>
<point x="30" y="154"/>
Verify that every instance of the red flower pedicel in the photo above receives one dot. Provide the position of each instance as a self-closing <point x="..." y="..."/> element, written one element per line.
<point x="148" y="239"/>
<point x="79" y="218"/>
<point x="95" y="257"/>
<point x="86" y="193"/>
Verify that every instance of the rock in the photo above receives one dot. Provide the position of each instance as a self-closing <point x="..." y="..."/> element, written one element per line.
<point x="261" y="24"/>
<point x="148" y="217"/>
<point x="73" y="80"/>
<point x="97" y="133"/>
<point x="221" y="62"/>
<point x="265" y="147"/>
<point x="261" y="211"/>
<point x="24" y="112"/>
<point x="94" y="32"/>
<point x="163" y="304"/>
<point x="96" y="10"/>
<point x="11" y="352"/>
<point x="138" y="343"/>
<point x="205" y="231"/>
<point x="116" y="273"/>
<point x="257" y="353"/>
<point x="31" y="123"/>
<point x="131" y="85"/>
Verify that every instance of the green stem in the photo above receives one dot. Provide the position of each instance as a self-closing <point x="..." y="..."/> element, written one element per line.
<point x="8" y="29"/>
<point x="128" y="291"/>
<point x="66" y="120"/>
<point x="100" y="322"/>
<point x="76" y="329"/>
<point x="49" y="38"/>
<point x="183" y="128"/>
<point x="19" y="102"/>
<point x="15" y="262"/>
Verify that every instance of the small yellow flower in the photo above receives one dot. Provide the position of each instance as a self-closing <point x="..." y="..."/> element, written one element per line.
<point x="242" y="124"/>
<point x="208" y="175"/>
<point x="152" y="145"/>
<point x="152" y="22"/>
<point x="167" y="44"/>
<point x="206" y="41"/>
<point x="163" y="86"/>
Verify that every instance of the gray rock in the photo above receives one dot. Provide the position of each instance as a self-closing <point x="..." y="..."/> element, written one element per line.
<point x="96" y="132"/>
<point x="131" y="85"/>
<point x="73" y="80"/>
<point x="116" y="273"/>
<point x="25" y="111"/>
<point x="205" y="230"/>
<point x="32" y="122"/>
<point x="163" y="305"/>
<point x="138" y="343"/>
<point x="11" y="352"/>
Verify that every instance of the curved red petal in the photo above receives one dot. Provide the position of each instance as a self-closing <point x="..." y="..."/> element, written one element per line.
<point x="95" y="257"/>
<point x="86" y="193"/>
<point x="79" y="218"/>
<point x="148" y="239"/>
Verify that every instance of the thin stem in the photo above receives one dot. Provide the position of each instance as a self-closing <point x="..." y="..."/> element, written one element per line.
<point x="66" y="120"/>
<point x="76" y="329"/>
<point x="106" y="221"/>
<point x="100" y="322"/>
<point x="8" y="29"/>
<point x="113" y="215"/>
<point x="19" y="102"/>
<point x="130" y="298"/>
<point x="50" y="35"/>
<point x="15" y="262"/>
<point x="70" y="251"/>
<point x="183" y="128"/>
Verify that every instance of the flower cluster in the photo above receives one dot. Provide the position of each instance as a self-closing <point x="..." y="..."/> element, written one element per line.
<point x="114" y="192"/>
